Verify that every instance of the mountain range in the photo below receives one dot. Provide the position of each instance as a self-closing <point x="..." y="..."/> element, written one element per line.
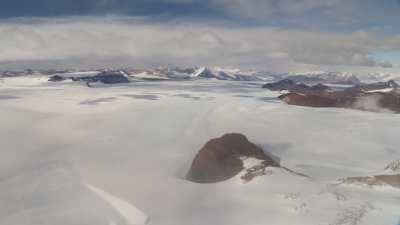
<point x="217" y="73"/>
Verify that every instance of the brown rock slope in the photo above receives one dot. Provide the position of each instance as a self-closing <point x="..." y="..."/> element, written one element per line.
<point x="379" y="180"/>
<point x="375" y="101"/>
<point x="391" y="179"/>
<point x="310" y="100"/>
<point x="377" y="86"/>
<point x="221" y="158"/>
<point x="292" y="86"/>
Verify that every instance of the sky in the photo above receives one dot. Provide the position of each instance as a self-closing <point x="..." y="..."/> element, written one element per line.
<point x="275" y="35"/>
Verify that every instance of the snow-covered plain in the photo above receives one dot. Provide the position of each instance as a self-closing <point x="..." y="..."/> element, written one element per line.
<point x="133" y="144"/>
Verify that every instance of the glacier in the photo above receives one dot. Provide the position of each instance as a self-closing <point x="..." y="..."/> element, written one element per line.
<point x="139" y="148"/>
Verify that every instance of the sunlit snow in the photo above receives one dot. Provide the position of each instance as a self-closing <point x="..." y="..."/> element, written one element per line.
<point x="139" y="149"/>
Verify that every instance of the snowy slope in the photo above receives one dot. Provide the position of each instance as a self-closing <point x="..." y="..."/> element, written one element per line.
<point x="226" y="74"/>
<point x="51" y="192"/>
<point x="137" y="141"/>
<point x="312" y="77"/>
<point x="220" y="73"/>
<point x="158" y="74"/>
<point x="379" y="77"/>
<point x="132" y="215"/>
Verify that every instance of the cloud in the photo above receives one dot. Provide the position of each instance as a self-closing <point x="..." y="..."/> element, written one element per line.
<point x="55" y="8"/>
<point x="266" y="8"/>
<point x="314" y="14"/>
<point x="92" y="41"/>
<point x="385" y="64"/>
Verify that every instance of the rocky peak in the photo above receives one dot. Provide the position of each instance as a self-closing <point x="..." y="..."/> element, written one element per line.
<point x="221" y="158"/>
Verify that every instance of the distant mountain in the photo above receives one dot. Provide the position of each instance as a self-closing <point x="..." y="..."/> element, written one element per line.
<point x="204" y="72"/>
<point x="378" y="86"/>
<point x="218" y="73"/>
<point x="105" y="77"/>
<point x="27" y="72"/>
<point x="228" y="74"/>
<point x="379" y="77"/>
<point x="324" y="77"/>
<point x="393" y="167"/>
<point x="197" y="73"/>
<point x="289" y="85"/>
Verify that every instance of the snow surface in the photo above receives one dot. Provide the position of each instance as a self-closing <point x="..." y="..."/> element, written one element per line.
<point x="132" y="215"/>
<point x="79" y="74"/>
<point x="382" y="90"/>
<point x="139" y="149"/>
<point x="379" y="77"/>
<point x="147" y="75"/>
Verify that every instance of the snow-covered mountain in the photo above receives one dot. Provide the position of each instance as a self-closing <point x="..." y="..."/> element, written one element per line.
<point x="229" y="74"/>
<point x="218" y="73"/>
<point x="324" y="77"/>
<point x="159" y="74"/>
<point x="341" y="77"/>
<point x="379" y="77"/>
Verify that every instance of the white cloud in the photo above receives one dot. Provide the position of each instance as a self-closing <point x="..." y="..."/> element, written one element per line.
<point x="131" y="41"/>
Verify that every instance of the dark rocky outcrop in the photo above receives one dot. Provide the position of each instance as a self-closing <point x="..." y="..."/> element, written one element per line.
<point x="377" y="86"/>
<point x="290" y="85"/>
<point x="111" y="77"/>
<point x="57" y="78"/>
<point x="326" y="78"/>
<point x="319" y="87"/>
<point x="105" y="77"/>
<point x="221" y="158"/>
<point x="391" y="179"/>
<point x="354" y="99"/>
<point x="305" y="79"/>
<point x="393" y="166"/>
<point x="379" y="180"/>
<point x="310" y="100"/>
<point x="284" y="84"/>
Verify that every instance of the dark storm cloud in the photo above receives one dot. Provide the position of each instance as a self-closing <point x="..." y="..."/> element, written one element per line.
<point x="341" y="15"/>
<point x="46" y="8"/>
